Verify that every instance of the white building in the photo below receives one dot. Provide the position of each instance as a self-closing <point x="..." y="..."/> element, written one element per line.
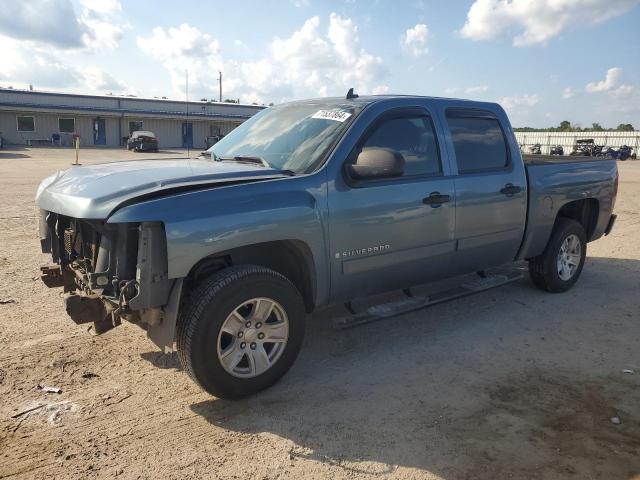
<point x="568" y="139"/>
<point x="32" y="118"/>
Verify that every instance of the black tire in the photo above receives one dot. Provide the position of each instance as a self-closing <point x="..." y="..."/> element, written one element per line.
<point x="210" y="304"/>
<point x="543" y="269"/>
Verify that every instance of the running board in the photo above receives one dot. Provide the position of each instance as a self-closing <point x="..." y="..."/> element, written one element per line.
<point x="412" y="303"/>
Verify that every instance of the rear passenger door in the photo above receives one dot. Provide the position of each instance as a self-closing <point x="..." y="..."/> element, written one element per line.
<point x="491" y="197"/>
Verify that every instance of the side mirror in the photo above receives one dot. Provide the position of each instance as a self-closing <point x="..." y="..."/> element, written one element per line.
<point x="376" y="163"/>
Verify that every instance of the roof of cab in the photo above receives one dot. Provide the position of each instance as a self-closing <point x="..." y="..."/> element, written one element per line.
<point x="369" y="99"/>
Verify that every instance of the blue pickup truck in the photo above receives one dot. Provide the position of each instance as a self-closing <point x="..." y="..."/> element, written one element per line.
<point x="308" y="204"/>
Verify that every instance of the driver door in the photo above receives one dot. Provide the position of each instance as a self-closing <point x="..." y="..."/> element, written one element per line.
<point x="389" y="234"/>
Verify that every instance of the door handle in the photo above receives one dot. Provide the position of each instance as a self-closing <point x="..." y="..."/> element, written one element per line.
<point x="435" y="199"/>
<point x="510" y="189"/>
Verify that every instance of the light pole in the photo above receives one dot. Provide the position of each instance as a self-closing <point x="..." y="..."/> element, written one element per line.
<point x="220" y="83"/>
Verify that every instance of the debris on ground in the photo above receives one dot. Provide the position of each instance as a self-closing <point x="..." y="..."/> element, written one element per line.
<point x="628" y="370"/>
<point x="49" y="389"/>
<point x="6" y="301"/>
<point x="616" y="420"/>
<point x="58" y="409"/>
<point x="90" y="375"/>
<point x="28" y="410"/>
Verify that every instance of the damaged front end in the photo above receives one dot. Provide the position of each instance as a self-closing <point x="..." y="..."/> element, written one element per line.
<point x="111" y="272"/>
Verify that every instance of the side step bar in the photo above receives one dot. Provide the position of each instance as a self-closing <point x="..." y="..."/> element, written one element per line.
<point x="412" y="303"/>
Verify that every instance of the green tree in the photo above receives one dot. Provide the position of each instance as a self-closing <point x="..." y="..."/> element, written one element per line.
<point x="596" y="127"/>
<point x="565" y="126"/>
<point x="625" y="127"/>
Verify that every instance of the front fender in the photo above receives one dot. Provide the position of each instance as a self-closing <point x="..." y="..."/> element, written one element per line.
<point x="202" y="223"/>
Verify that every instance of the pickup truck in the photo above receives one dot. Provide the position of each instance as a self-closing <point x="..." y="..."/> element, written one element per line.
<point x="308" y="204"/>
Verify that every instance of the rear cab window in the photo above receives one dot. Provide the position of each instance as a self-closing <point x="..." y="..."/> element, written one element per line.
<point x="478" y="141"/>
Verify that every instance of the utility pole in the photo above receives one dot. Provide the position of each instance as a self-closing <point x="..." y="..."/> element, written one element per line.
<point x="185" y="126"/>
<point x="220" y="83"/>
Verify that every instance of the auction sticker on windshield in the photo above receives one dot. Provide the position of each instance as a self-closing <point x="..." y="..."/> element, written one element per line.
<point x="337" y="115"/>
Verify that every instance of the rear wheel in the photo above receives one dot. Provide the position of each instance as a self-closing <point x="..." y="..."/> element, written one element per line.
<point x="560" y="265"/>
<point x="241" y="331"/>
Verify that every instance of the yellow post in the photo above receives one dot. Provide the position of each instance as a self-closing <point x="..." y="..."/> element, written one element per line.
<point x="77" y="149"/>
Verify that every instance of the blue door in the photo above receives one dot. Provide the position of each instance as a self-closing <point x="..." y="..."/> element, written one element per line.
<point x="392" y="234"/>
<point x="187" y="135"/>
<point x="99" y="131"/>
<point x="491" y="190"/>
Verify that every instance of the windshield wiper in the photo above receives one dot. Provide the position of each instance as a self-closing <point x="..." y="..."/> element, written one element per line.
<point x="254" y="160"/>
<point x="246" y="159"/>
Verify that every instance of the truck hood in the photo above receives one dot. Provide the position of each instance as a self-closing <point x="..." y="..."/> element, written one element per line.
<point x="94" y="191"/>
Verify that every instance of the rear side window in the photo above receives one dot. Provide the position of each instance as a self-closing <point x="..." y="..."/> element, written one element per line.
<point x="478" y="142"/>
<point x="411" y="136"/>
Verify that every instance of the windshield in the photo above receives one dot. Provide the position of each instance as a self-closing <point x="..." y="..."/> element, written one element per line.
<point x="293" y="137"/>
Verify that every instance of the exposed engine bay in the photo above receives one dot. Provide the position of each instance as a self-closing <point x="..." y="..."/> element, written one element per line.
<point x="109" y="272"/>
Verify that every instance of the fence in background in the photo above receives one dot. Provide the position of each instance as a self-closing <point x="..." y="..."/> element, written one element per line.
<point x="567" y="140"/>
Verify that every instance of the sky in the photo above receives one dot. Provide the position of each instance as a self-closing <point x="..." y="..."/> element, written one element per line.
<point x="543" y="60"/>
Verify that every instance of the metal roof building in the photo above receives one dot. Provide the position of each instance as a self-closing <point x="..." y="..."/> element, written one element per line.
<point x="31" y="118"/>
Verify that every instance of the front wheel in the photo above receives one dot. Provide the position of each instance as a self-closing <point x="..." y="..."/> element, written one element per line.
<point x="560" y="265"/>
<point x="241" y="331"/>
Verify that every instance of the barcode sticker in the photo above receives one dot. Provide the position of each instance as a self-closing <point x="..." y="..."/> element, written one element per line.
<point x="337" y="115"/>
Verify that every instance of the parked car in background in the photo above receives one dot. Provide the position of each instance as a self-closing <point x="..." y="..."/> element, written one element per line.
<point x="583" y="147"/>
<point x="143" y="141"/>
<point x="308" y="204"/>
<point x="1" y="141"/>
<point x="557" y="150"/>
<point x="211" y="140"/>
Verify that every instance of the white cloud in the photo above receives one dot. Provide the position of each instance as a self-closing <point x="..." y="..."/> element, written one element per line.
<point x="519" y="101"/>
<point x="568" y="93"/>
<point x="42" y="21"/>
<point x="415" y="39"/>
<point x="537" y="21"/>
<point x="476" y="89"/>
<point x="380" y="89"/>
<point x="518" y="107"/>
<point x="611" y="80"/>
<point x="176" y="42"/>
<point x="56" y="25"/>
<point x="467" y="90"/>
<point x="306" y="63"/>
<point x="25" y="65"/>
<point x="104" y="7"/>
<point x="97" y="80"/>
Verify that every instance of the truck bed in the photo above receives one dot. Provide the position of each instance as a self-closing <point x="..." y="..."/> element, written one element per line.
<point x="556" y="180"/>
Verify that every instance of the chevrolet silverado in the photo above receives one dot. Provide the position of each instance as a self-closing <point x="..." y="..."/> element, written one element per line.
<point x="307" y="204"/>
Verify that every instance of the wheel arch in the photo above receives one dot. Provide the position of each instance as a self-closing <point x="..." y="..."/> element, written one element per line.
<point x="291" y="258"/>
<point x="585" y="211"/>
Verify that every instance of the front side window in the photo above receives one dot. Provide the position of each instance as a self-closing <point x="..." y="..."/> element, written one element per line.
<point x="478" y="142"/>
<point x="295" y="137"/>
<point x="26" y="124"/>
<point x="134" y="126"/>
<point x="414" y="138"/>
<point x="67" y="125"/>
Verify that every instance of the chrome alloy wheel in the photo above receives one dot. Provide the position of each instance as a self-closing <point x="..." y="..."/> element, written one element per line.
<point x="569" y="257"/>
<point x="253" y="337"/>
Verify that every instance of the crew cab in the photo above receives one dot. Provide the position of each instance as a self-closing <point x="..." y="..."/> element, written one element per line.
<point x="308" y="204"/>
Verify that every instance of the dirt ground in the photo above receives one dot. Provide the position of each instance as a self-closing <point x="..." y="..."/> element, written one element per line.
<point x="510" y="383"/>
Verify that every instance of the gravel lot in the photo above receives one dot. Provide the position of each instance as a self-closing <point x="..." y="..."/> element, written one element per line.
<point x="510" y="383"/>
